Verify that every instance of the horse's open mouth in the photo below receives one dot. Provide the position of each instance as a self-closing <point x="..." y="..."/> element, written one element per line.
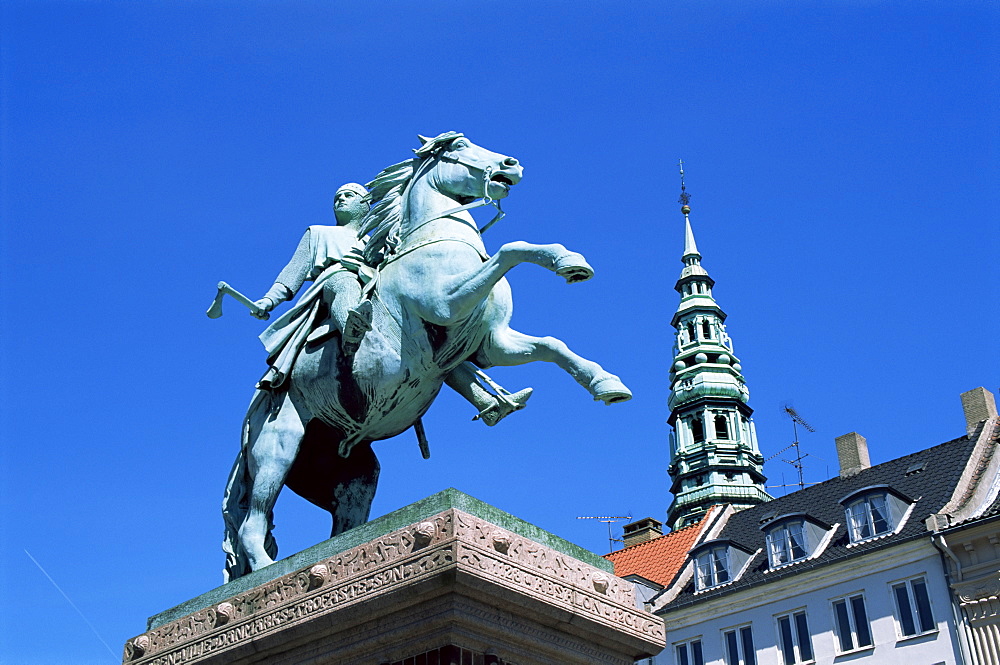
<point x="502" y="179"/>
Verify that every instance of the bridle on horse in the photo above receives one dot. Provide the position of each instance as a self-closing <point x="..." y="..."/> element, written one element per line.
<point x="485" y="200"/>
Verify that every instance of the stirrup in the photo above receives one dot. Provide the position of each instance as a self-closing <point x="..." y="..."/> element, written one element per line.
<point x="359" y="321"/>
<point x="504" y="406"/>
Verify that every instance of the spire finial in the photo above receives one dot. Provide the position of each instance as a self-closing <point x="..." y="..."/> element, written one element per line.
<point x="685" y="197"/>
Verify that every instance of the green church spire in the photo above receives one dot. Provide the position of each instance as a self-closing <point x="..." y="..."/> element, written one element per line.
<point x="714" y="456"/>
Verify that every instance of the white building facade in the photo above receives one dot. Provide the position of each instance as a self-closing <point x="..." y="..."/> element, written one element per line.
<point x="801" y="619"/>
<point x="897" y="563"/>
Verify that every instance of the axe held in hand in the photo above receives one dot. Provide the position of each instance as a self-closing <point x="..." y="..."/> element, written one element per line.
<point x="215" y="311"/>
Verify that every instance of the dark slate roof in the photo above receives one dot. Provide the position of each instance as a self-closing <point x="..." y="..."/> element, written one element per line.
<point x="932" y="487"/>
<point x="993" y="510"/>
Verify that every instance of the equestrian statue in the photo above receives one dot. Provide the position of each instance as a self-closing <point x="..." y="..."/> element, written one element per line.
<point x="404" y="299"/>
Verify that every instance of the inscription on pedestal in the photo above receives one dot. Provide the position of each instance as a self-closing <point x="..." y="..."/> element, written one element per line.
<point x="488" y="566"/>
<point x="345" y="579"/>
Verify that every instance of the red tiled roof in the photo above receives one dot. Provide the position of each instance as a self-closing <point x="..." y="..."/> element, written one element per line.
<point x="660" y="559"/>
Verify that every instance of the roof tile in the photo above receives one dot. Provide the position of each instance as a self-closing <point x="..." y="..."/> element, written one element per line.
<point x="659" y="560"/>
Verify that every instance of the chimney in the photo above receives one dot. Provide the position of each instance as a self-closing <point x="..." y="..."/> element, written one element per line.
<point x="642" y="531"/>
<point x="852" y="451"/>
<point x="979" y="405"/>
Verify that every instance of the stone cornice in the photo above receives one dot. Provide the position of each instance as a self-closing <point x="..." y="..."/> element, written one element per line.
<point x="478" y="555"/>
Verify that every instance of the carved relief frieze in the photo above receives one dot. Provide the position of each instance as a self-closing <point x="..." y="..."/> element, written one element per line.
<point x="348" y="577"/>
<point x="534" y="556"/>
<point x="398" y="559"/>
<point x="557" y="578"/>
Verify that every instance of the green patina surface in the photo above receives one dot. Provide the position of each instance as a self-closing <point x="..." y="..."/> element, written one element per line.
<point x="411" y="514"/>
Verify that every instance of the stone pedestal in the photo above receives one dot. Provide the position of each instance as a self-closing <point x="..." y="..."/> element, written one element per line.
<point x="446" y="581"/>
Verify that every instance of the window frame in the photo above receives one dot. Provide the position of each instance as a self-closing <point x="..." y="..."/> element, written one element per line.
<point x="913" y="607"/>
<point x="852" y="617"/>
<point x="736" y="561"/>
<point x="815" y="537"/>
<point x="741" y="634"/>
<point x="797" y="637"/>
<point x="693" y="651"/>
<point x="863" y="514"/>
<point x="787" y="543"/>
<point x="712" y="565"/>
<point x="895" y="510"/>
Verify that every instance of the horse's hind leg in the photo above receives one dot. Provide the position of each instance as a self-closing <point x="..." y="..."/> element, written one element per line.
<point x="271" y="455"/>
<point x="510" y="347"/>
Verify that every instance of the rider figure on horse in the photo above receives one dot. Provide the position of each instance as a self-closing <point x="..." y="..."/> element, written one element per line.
<point x="331" y="257"/>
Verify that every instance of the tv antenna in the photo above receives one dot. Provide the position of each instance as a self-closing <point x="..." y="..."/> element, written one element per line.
<point x="797" y="460"/>
<point x="609" y="520"/>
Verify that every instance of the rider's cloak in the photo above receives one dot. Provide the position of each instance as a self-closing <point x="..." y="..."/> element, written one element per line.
<point x="329" y="250"/>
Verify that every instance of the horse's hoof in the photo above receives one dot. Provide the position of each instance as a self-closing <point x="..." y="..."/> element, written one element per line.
<point x="574" y="268"/>
<point x="609" y="389"/>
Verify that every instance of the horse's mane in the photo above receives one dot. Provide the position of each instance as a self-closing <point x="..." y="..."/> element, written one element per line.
<point x="385" y="193"/>
<point x="386" y="214"/>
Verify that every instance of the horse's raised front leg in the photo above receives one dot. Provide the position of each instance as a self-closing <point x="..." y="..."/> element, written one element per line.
<point x="464" y="291"/>
<point x="510" y="347"/>
<point x="569" y="265"/>
<point x="271" y="455"/>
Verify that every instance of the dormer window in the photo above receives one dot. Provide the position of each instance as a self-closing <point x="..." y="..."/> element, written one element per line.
<point x="786" y="543"/>
<point x="712" y="568"/>
<point x="873" y="512"/>
<point x="717" y="562"/>
<point x="868" y="517"/>
<point x="794" y="537"/>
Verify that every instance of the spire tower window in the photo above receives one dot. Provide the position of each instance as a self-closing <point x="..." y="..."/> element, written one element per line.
<point x="698" y="429"/>
<point x="721" y="427"/>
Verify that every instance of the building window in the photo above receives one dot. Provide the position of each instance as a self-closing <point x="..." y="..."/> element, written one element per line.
<point x="913" y="607"/>
<point x="851" y="623"/>
<point x="786" y="543"/>
<point x="706" y="329"/>
<point x="739" y="646"/>
<point x="794" y="642"/>
<point x="712" y="568"/>
<point x="689" y="653"/>
<point x="718" y="562"/>
<point x="691" y="334"/>
<point x="697" y="429"/>
<point x="875" y="511"/>
<point x="795" y="537"/>
<point x="868" y="517"/>
<point x="721" y="427"/>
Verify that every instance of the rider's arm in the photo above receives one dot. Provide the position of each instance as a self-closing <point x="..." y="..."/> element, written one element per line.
<point x="290" y="279"/>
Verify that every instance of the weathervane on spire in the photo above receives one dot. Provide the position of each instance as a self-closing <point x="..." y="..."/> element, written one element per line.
<point x="685" y="197"/>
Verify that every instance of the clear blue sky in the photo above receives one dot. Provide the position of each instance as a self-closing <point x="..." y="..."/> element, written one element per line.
<point x="843" y="163"/>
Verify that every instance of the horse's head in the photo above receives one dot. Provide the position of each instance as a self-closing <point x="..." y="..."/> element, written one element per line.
<point x="415" y="193"/>
<point x="464" y="171"/>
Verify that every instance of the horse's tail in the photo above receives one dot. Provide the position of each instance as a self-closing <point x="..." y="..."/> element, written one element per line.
<point x="236" y="501"/>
